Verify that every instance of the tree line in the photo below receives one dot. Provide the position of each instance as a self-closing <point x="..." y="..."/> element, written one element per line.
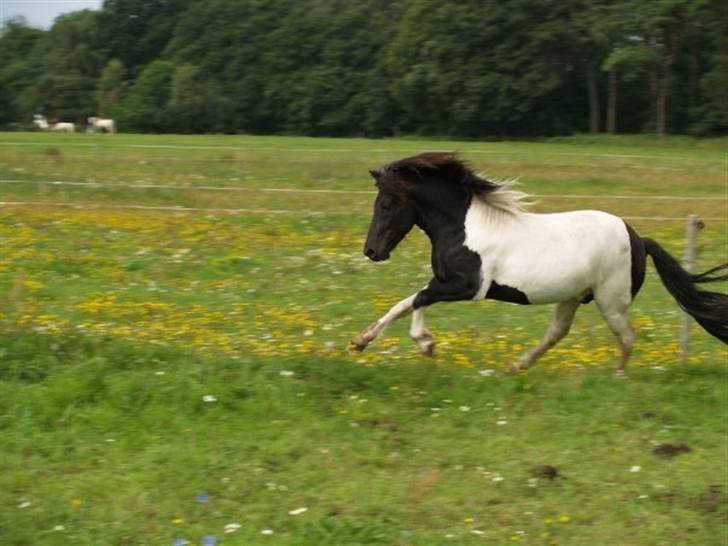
<point x="466" y="68"/>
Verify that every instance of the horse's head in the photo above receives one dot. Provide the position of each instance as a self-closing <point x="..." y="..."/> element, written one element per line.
<point x="432" y="189"/>
<point x="394" y="216"/>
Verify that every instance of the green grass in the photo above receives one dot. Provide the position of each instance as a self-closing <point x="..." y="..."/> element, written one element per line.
<point x="102" y="444"/>
<point x="117" y="325"/>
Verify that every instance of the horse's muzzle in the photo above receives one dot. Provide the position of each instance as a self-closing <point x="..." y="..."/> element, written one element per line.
<point x="374" y="256"/>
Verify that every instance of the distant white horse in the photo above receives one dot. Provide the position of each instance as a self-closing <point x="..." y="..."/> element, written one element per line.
<point x="105" y="125"/>
<point x="64" y="127"/>
<point x="40" y="121"/>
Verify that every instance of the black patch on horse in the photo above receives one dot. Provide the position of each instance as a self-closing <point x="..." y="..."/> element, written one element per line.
<point x="639" y="259"/>
<point x="502" y="292"/>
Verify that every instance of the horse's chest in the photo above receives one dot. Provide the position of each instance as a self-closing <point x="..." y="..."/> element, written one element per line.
<point x="455" y="260"/>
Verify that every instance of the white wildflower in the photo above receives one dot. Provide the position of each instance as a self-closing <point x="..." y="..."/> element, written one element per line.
<point x="298" y="511"/>
<point x="232" y="527"/>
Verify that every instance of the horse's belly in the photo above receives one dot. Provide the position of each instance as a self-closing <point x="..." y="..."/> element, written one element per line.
<point x="557" y="293"/>
<point x="548" y="283"/>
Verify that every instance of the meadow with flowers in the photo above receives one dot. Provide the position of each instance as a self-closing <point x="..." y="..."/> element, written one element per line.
<point x="175" y="317"/>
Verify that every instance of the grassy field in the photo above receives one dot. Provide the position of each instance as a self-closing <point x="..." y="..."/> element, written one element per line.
<point x="171" y="375"/>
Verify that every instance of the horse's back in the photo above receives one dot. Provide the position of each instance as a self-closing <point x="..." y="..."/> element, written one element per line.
<point x="582" y="251"/>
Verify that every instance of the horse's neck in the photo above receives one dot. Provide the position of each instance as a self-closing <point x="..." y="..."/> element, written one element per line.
<point x="449" y="219"/>
<point x="444" y="227"/>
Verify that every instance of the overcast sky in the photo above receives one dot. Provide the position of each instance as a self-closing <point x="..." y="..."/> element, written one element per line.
<point x="40" y="13"/>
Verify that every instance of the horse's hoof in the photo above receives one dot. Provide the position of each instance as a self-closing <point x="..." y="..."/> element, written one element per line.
<point x="425" y="343"/>
<point x="516" y="368"/>
<point x="358" y="344"/>
<point x="428" y="349"/>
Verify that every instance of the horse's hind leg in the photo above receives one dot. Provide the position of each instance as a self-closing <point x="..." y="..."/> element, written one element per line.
<point x="616" y="317"/>
<point x="559" y="327"/>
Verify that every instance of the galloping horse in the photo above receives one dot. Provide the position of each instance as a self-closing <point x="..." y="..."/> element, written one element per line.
<point x="101" y="124"/>
<point x="485" y="244"/>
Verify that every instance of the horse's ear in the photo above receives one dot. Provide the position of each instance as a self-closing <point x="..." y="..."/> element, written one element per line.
<point x="376" y="175"/>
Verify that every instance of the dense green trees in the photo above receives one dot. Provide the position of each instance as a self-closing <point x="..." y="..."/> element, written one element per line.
<point x="17" y="75"/>
<point x="474" y="68"/>
<point x="110" y="89"/>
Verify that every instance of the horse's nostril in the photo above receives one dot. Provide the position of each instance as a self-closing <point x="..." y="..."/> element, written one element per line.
<point x="369" y="252"/>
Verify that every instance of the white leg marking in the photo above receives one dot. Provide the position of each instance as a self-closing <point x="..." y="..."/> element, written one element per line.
<point x="613" y="305"/>
<point x="421" y="334"/>
<point x="375" y="329"/>
<point x="558" y="328"/>
<point x="619" y="324"/>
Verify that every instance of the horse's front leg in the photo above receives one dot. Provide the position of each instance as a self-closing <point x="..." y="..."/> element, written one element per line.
<point x="374" y="330"/>
<point x="420" y="334"/>
<point x="460" y="288"/>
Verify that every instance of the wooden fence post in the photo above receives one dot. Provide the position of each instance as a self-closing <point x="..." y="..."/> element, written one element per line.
<point x="694" y="224"/>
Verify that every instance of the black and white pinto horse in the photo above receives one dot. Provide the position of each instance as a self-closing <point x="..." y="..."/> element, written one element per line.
<point x="485" y="244"/>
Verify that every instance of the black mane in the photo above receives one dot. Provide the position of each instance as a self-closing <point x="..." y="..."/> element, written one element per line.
<point x="443" y="165"/>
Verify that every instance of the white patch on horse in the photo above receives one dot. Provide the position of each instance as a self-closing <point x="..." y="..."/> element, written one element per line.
<point x="548" y="257"/>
